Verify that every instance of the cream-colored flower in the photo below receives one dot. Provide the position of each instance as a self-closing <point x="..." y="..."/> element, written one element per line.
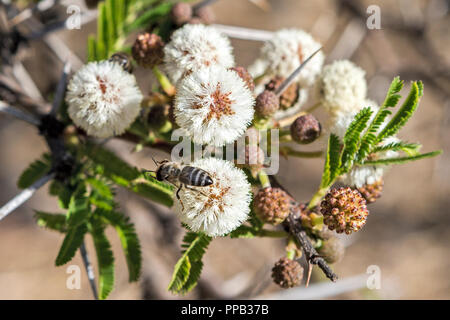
<point x="219" y="208"/>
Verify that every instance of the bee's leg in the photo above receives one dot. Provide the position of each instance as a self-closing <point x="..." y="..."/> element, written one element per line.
<point x="196" y="190"/>
<point x="178" y="195"/>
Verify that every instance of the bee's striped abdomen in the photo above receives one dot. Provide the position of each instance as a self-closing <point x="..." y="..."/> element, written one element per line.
<point x="195" y="177"/>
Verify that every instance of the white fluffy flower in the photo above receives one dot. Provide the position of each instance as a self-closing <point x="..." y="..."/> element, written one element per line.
<point x="287" y="50"/>
<point x="194" y="47"/>
<point x="213" y="106"/>
<point x="219" y="208"/>
<point x="342" y="87"/>
<point x="103" y="99"/>
<point x="360" y="176"/>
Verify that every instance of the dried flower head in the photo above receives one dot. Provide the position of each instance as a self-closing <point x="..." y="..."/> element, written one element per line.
<point x="305" y="129"/>
<point x="271" y="205"/>
<point x="290" y="96"/>
<point x="371" y="192"/>
<point x="103" y="99"/>
<point x="287" y="273"/>
<point x="148" y="50"/>
<point x="287" y="50"/>
<point x="205" y="14"/>
<point x="342" y="87"/>
<point x="252" y="157"/>
<point x="213" y="106"/>
<point x="344" y="210"/>
<point x="195" y="47"/>
<point x="219" y="208"/>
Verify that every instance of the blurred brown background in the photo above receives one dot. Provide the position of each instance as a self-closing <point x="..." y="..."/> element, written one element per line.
<point x="407" y="234"/>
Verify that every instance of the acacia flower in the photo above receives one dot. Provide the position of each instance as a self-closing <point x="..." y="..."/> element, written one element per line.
<point x="219" y="208"/>
<point x="342" y="87"/>
<point x="213" y="106"/>
<point x="194" y="47"/>
<point x="287" y="50"/>
<point x="103" y="99"/>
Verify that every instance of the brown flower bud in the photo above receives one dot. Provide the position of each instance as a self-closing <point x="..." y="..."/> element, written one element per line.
<point x="253" y="157"/>
<point x="267" y="104"/>
<point x="305" y="129"/>
<point x="158" y="116"/>
<point x="147" y="50"/>
<point x="372" y="192"/>
<point x="271" y="205"/>
<point x="332" y="250"/>
<point x="344" y="210"/>
<point x="181" y="13"/>
<point x="287" y="273"/>
<point x="205" y="14"/>
<point x="246" y="76"/>
<point x="289" y="97"/>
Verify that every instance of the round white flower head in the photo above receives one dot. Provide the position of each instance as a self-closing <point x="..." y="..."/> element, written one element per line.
<point x="287" y="50"/>
<point x="194" y="47"/>
<point x="341" y="87"/>
<point x="219" y="208"/>
<point x="360" y="176"/>
<point x="213" y="106"/>
<point x="103" y="99"/>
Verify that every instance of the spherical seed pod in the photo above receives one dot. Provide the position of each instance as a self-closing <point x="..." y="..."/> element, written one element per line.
<point x="371" y="192"/>
<point x="287" y="273"/>
<point x="181" y="13"/>
<point x="267" y="103"/>
<point x="344" y="210"/>
<point x="289" y="97"/>
<point x="205" y="14"/>
<point x="148" y="50"/>
<point x="271" y="205"/>
<point x="332" y="250"/>
<point x="246" y="76"/>
<point x="305" y="129"/>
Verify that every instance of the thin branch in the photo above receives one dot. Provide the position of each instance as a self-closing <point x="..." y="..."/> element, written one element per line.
<point x="244" y="33"/>
<point x="59" y="95"/>
<point x="26" y="82"/>
<point x="19" y="114"/>
<point x="89" y="269"/>
<point x="293" y="225"/>
<point x="23" y="196"/>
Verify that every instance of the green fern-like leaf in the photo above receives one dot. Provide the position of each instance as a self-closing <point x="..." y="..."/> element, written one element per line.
<point x="129" y="240"/>
<point x="401" y="160"/>
<point x="188" y="268"/>
<point x="156" y="191"/>
<point x="244" y="231"/>
<point x="72" y="241"/>
<point x="409" y="148"/>
<point x="404" y="113"/>
<point x="78" y="210"/>
<point x="352" y="138"/>
<point x="52" y="221"/>
<point x="35" y="171"/>
<point x="105" y="260"/>
<point x="332" y="164"/>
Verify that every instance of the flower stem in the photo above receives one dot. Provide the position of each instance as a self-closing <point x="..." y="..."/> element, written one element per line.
<point x="168" y="87"/>
<point x="315" y="200"/>
<point x="300" y="154"/>
<point x="263" y="179"/>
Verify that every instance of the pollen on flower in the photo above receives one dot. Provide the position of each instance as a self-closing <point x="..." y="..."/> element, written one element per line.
<point x="103" y="99"/>
<point x="219" y="208"/>
<point x="213" y="106"/>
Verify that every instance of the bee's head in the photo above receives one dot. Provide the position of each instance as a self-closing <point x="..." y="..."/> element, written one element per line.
<point x="162" y="172"/>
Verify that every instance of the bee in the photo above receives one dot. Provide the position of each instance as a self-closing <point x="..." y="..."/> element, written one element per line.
<point x="182" y="176"/>
<point x="123" y="60"/>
